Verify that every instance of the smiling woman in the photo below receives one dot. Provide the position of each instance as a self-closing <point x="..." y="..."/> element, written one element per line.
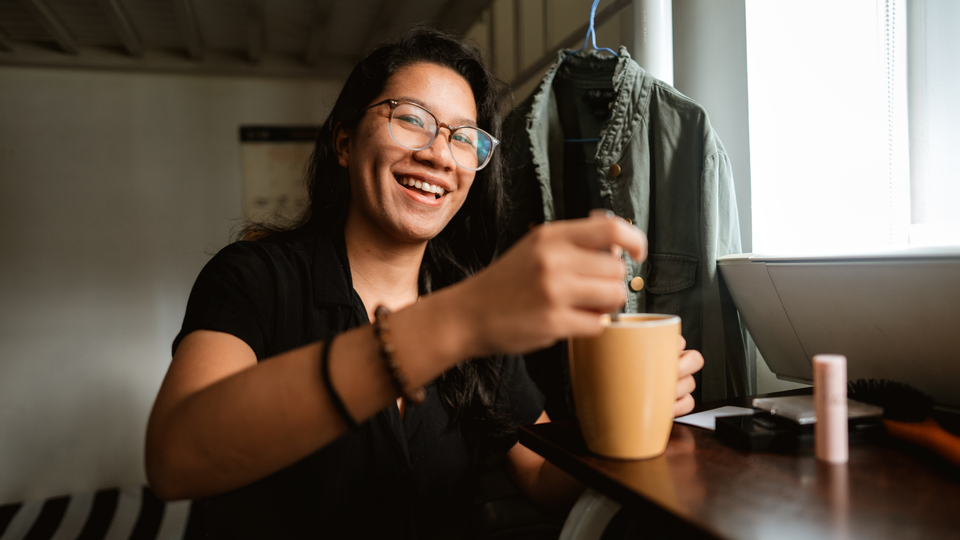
<point x="290" y="416"/>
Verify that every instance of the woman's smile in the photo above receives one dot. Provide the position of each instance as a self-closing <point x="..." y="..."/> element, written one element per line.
<point x="423" y="187"/>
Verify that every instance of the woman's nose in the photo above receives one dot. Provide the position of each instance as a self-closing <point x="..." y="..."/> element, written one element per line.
<point x="438" y="153"/>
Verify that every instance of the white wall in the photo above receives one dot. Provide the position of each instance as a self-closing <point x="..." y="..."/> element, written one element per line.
<point x="710" y="66"/>
<point x="115" y="189"/>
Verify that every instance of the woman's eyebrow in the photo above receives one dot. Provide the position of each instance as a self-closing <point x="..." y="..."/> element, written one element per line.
<point x="466" y="122"/>
<point x="456" y="123"/>
<point x="412" y="100"/>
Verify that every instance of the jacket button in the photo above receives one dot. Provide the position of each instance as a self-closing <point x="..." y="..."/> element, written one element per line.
<point x="636" y="284"/>
<point x="614" y="170"/>
<point x="654" y="278"/>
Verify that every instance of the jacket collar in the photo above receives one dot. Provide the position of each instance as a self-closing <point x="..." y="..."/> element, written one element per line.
<point x="632" y="86"/>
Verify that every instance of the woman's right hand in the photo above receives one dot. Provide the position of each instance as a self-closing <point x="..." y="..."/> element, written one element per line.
<point x="555" y="282"/>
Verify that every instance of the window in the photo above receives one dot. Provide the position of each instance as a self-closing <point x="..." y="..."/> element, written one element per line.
<point x="830" y="133"/>
<point x="933" y="45"/>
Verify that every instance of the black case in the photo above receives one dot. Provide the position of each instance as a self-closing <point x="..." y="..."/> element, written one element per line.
<point x="765" y="432"/>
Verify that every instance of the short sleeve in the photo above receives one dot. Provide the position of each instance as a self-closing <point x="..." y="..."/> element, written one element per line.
<point x="233" y="294"/>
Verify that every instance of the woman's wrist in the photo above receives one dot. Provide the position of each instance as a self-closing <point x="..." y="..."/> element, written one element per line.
<point x="426" y="338"/>
<point x="435" y="334"/>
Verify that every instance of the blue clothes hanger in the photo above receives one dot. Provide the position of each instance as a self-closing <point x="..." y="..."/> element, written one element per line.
<point x="592" y="38"/>
<point x="592" y="33"/>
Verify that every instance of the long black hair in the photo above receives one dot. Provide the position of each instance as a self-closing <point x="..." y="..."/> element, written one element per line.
<point x="466" y="245"/>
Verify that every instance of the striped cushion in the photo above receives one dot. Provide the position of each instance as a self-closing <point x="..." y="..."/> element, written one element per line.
<point x="110" y="514"/>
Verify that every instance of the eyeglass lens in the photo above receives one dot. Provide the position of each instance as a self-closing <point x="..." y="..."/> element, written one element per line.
<point x="415" y="128"/>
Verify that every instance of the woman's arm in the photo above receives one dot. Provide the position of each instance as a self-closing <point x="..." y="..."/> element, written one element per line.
<point x="555" y="491"/>
<point x="548" y="487"/>
<point x="222" y="420"/>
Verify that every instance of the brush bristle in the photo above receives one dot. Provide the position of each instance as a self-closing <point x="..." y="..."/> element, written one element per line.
<point x="899" y="401"/>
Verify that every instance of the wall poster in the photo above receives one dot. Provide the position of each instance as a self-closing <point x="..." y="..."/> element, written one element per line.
<point x="274" y="161"/>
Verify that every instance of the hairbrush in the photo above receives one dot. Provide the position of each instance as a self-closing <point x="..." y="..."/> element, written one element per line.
<point x="906" y="415"/>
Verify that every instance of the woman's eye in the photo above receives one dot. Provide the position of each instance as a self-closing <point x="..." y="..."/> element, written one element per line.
<point x="463" y="138"/>
<point x="411" y="119"/>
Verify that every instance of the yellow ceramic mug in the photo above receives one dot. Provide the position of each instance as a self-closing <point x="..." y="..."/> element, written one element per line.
<point x="624" y="385"/>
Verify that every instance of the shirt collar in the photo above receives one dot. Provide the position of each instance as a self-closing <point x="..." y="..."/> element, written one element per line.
<point x="332" y="282"/>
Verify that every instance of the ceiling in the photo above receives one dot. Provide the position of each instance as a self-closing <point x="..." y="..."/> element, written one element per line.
<point x="302" y="38"/>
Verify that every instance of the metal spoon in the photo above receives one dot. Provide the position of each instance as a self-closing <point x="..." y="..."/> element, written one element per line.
<point x="618" y="251"/>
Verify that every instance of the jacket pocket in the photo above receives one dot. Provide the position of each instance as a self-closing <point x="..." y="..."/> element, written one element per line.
<point x="670" y="283"/>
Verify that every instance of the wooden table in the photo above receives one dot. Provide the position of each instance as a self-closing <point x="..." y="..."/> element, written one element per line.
<point x="702" y="488"/>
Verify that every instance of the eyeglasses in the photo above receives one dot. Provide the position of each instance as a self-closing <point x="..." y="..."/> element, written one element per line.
<point x="415" y="128"/>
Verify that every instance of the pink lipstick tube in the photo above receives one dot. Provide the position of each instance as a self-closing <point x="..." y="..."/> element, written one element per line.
<point x="830" y="401"/>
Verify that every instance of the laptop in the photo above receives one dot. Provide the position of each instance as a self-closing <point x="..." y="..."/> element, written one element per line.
<point x="895" y="315"/>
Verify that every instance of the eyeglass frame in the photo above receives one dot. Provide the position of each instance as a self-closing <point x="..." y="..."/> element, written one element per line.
<point x="394" y="103"/>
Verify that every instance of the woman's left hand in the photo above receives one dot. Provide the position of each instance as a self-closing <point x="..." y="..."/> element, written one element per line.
<point x="690" y="363"/>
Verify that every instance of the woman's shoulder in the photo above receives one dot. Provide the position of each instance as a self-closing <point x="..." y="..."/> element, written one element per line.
<point x="264" y="253"/>
<point x="265" y="266"/>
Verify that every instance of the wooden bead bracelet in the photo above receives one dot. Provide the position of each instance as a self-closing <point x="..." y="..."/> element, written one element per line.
<point x="382" y="332"/>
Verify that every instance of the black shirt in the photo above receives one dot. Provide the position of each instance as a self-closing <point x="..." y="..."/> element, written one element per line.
<point x="404" y="478"/>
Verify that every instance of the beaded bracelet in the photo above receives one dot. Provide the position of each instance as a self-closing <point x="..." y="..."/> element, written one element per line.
<point x="334" y="396"/>
<point x="382" y="331"/>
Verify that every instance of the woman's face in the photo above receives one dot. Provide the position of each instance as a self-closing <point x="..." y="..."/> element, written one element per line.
<point x="379" y="167"/>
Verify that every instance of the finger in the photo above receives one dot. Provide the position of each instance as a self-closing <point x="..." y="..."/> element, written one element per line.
<point x="602" y="213"/>
<point x="685" y="385"/>
<point x="597" y="234"/>
<point x="683" y="343"/>
<point x="683" y="406"/>
<point x="592" y="263"/>
<point x="597" y="295"/>
<point x="575" y="323"/>
<point x="560" y="324"/>
<point x="690" y="363"/>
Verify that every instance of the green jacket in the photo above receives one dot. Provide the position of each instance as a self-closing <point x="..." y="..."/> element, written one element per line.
<point x="658" y="163"/>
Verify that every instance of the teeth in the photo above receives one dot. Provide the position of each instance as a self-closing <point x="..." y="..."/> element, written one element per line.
<point x="424" y="186"/>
